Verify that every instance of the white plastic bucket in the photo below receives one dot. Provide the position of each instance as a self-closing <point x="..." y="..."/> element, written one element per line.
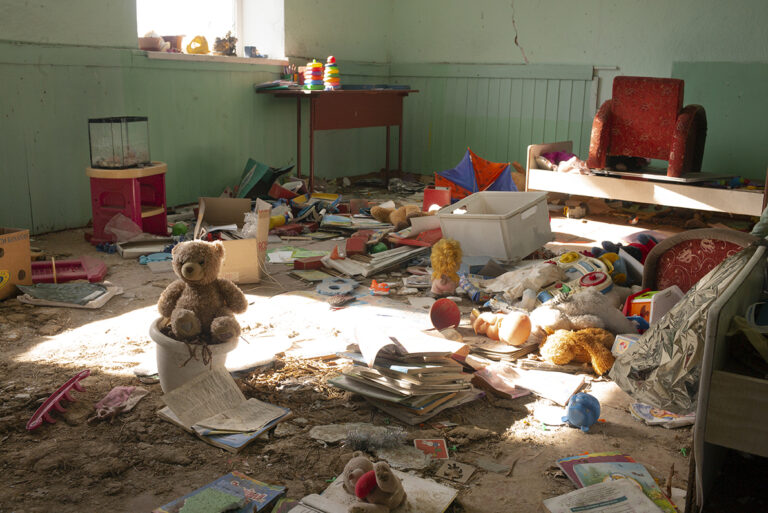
<point x="171" y="354"/>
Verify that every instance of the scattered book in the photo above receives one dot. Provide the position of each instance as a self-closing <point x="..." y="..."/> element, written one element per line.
<point x="212" y="407"/>
<point x="234" y="492"/>
<point x="621" y="496"/>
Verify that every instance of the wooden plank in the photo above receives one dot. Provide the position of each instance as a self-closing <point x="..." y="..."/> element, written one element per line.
<point x="526" y="115"/>
<point x="492" y="120"/>
<point x="657" y="193"/>
<point x="737" y="416"/>
<point x="563" y="110"/>
<point x="539" y="111"/>
<point x="551" y="110"/>
<point x="503" y="120"/>
<point x="516" y="148"/>
<point x="458" y="109"/>
<point x="575" y="132"/>
<point x="472" y="114"/>
<point x="526" y="71"/>
<point x="438" y="128"/>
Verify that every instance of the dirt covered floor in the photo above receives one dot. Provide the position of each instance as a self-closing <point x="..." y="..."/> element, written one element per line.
<point x="138" y="461"/>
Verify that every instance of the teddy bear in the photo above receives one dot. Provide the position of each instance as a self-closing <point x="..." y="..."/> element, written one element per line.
<point x="377" y="488"/>
<point x="200" y="303"/>
<point x="398" y="217"/>
<point x="586" y="308"/>
<point x="589" y="345"/>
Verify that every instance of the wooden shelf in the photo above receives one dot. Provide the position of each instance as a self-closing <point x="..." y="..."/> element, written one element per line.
<point x="151" y="210"/>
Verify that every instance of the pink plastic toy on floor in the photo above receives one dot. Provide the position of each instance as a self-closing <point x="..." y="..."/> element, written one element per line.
<point x="53" y="402"/>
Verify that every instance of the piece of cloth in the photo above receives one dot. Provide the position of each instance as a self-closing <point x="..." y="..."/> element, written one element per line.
<point x="120" y="399"/>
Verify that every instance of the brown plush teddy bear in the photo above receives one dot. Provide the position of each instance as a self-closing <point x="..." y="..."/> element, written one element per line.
<point x="374" y="484"/>
<point x="200" y="303"/>
<point x="400" y="217"/>
<point x="589" y="345"/>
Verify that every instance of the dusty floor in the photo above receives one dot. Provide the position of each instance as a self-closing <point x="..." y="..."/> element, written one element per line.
<point x="139" y="462"/>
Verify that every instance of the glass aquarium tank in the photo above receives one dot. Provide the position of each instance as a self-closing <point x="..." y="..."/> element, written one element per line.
<point x="119" y="143"/>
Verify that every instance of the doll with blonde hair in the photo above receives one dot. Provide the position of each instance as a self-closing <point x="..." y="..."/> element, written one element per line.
<point x="446" y="260"/>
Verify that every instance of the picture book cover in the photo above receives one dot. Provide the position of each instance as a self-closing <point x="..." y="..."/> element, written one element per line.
<point x="437" y="448"/>
<point x="232" y="490"/>
<point x="594" y="473"/>
<point x="566" y="464"/>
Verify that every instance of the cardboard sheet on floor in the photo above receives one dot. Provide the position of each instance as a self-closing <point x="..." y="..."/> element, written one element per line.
<point x="423" y="495"/>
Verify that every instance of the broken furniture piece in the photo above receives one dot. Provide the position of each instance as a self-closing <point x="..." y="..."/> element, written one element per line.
<point x="61" y="271"/>
<point x="645" y="118"/>
<point x="642" y="188"/>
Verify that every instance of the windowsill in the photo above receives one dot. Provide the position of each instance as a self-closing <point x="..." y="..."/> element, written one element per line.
<point x="168" y="56"/>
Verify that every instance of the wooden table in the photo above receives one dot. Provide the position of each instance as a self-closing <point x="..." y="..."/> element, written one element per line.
<point x="342" y="109"/>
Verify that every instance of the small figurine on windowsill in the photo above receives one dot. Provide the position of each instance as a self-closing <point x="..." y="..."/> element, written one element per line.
<point x="446" y="260"/>
<point x="226" y="45"/>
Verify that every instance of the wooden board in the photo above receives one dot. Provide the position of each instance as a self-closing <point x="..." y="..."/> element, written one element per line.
<point x="733" y="201"/>
<point x="737" y="416"/>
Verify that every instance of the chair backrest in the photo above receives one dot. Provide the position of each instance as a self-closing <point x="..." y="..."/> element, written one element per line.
<point x="683" y="259"/>
<point x="644" y="114"/>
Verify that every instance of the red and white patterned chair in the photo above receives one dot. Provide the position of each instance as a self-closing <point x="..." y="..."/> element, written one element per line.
<point x="645" y="118"/>
<point x="683" y="259"/>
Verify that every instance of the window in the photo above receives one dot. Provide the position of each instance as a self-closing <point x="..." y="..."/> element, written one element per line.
<point x="258" y="23"/>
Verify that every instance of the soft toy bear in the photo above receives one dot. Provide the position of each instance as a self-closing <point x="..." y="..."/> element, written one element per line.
<point x="590" y="345"/>
<point x="400" y="218"/>
<point x="583" y="309"/>
<point x="377" y="488"/>
<point x="200" y="303"/>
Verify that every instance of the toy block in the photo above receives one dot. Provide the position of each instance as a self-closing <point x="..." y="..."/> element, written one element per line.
<point x="308" y="263"/>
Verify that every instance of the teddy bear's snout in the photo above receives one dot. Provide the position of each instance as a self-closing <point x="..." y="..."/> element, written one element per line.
<point x="191" y="271"/>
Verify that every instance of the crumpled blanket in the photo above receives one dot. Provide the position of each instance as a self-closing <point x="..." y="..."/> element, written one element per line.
<point x="120" y="399"/>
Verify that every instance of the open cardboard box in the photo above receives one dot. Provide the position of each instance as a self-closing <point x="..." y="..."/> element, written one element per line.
<point x="243" y="258"/>
<point x="15" y="260"/>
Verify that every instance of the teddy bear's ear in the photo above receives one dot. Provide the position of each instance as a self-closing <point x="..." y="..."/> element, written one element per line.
<point x="218" y="247"/>
<point x="173" y="250"/>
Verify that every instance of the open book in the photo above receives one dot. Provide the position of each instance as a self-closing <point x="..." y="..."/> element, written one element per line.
<point x="213" y="407"/>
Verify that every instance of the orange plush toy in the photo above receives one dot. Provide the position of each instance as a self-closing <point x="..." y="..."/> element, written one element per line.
<point x="589" y="345"/>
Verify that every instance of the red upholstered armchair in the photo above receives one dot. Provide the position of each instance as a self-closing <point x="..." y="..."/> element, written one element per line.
<point x="645" y="118"/>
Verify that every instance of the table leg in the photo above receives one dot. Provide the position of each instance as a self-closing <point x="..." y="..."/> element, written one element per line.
<point x="400" y="149"/>
<point x="386" y="160"/>
<point x="298" y="136"/>
<point x="311" y="145"/>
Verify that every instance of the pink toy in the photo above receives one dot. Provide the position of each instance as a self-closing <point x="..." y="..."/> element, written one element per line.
<point x="43" y="412"/>
<point x="60" y="271"/>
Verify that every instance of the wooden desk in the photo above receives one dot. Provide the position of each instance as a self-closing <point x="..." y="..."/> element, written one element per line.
<point x="334" y="110"/>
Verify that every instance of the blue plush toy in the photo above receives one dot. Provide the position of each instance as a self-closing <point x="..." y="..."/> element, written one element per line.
<point x="583" y="411"/>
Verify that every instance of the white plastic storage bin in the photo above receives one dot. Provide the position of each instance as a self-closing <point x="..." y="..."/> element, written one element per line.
<point x="507" y="226"/>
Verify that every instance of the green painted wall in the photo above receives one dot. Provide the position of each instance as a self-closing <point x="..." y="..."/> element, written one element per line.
<point x="734" y="95"/>
<point x="73" y="22"/>
<point x="205" y="121"/>
<point x="73" y="60"/>
<point x="641" y="37"/>
<point x="352" y="30"/>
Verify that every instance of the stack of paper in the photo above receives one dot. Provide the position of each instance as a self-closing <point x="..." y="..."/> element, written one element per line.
<point x="410" y="375"/>
<point x="590" y="469"/>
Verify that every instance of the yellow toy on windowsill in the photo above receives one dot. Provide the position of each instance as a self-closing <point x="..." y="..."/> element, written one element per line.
<point x="445" y="260"/>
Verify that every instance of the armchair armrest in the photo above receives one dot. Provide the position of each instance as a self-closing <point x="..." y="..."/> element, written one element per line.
<point x="600" y="138"/>
<point x="687" y="150"/>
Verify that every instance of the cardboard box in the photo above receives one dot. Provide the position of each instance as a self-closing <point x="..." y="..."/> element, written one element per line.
<point x="15" y="260"/>
<point x="244" y="259"/>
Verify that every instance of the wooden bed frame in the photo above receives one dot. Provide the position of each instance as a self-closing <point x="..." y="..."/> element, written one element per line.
<point x="734" y="201"/>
